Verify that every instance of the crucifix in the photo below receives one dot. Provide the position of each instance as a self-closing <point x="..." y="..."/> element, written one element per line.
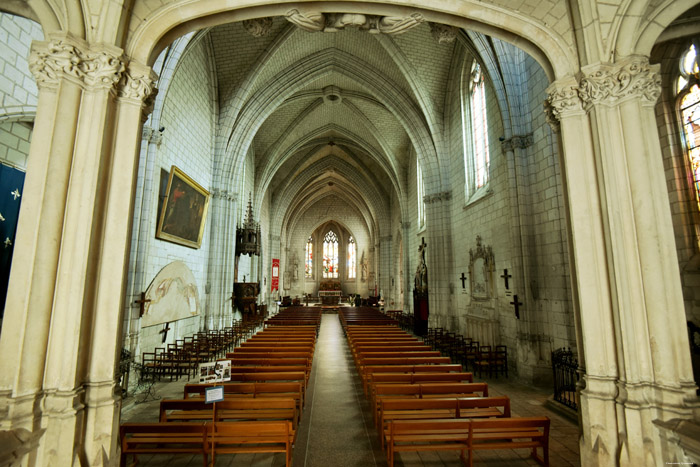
<point x="142" y="303"/>
<point x="232" y="298"/>
<point x="506" y="276"/>
<point x="463" y="278"/>
<point x="516" y="304"/>
<point x="164" y="331"/>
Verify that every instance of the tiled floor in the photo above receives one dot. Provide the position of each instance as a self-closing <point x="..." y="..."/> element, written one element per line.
<point x="336" y="429"/>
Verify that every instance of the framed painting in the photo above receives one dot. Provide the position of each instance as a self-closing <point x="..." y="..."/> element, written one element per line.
<point x="184" y="210"/>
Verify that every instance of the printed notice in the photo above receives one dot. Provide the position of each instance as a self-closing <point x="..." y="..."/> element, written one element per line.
<point x="214" y="394"/>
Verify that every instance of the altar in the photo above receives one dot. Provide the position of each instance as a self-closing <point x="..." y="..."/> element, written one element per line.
<point x="329" y="292"/>
<point x="329" y="297"/>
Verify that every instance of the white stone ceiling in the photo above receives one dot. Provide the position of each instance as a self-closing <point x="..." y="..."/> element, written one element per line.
<point x="349" y="114"/>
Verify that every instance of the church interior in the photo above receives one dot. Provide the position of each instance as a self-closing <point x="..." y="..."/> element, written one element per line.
<point x="522" y="174"/>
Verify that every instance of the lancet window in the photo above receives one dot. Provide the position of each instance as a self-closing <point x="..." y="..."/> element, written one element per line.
<point x="330" y="256"/>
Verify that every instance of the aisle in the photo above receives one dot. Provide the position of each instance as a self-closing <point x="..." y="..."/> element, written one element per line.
<point x="336" y="411"/>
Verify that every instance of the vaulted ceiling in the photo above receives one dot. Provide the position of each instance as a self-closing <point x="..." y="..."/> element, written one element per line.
<point x="331" y="114"/>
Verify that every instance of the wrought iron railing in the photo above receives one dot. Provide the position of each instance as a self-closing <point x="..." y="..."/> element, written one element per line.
<point x="565" y="366"/>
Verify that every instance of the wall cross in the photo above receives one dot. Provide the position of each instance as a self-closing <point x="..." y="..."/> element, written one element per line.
<point x="142" y="303"/>
<point x="506" y="276"/>
<point x="463" y="278"/>
<point x="516" y="304"/>
<point x="164" y="331"/>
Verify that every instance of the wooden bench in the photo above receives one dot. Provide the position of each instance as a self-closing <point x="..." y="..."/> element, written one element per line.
<point x="371" y="369"/>
<point x="468" y="436"/>
<point x="251" y="437"/>
<point x="421" y="409"/>
<point x="288" y="390"/>
<point x="380" y="392"/>
<point x="162" y="438"/>
<point x="415" y="378"/>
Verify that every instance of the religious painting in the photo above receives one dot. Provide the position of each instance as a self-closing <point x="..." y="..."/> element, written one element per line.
<point x="481" y="266"/>
<point x="184" y="210"/>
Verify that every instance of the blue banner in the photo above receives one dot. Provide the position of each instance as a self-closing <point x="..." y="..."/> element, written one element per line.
<point x="11" y="184"/>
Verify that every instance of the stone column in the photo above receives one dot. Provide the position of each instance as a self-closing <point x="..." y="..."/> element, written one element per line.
<point x="632" y="316"/>
<point x="221" y="257"/>
<point x="65" y="299"/>
<point x="408" y="269"/>
<point x="440" y="261"/>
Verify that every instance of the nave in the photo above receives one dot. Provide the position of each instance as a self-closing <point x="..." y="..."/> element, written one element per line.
<point x="337" y="429"/>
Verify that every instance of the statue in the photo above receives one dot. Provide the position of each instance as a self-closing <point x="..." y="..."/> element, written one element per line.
<point x="421" y="279"/>
<point x="363" y="265"/>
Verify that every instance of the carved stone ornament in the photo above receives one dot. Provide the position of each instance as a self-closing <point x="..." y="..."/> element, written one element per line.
<point x="633" y="78"/>
<point x="481" y="267"/>
<point x="58" y="59"/>
<point x="138" y="84"/>
<point x="437" y="197"/>
<point x="563" y="97"/>
<point x="315" y="21"/>
<point x="517" y="142"/>
<point x="443" y="33"/>
<point x="258" y="27"/>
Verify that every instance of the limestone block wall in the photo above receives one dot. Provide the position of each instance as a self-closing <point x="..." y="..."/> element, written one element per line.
<point x="188" y="112"/>
<point x="18" y="91"/>
<point x="14" y="143"/>
<point x="523" y="220"/>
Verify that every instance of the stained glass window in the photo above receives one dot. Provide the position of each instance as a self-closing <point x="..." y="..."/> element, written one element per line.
<point x="309" y="262"/>
<point x="690" y="115"/>
<point x="330" y="256"/>
<point x="480" y="130"/>
<point x="352" y="262"/>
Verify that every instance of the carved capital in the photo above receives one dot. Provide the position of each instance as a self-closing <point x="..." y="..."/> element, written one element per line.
<point x="258" y="27"/>
<point x="442" y="33"/>
<point x="138" y="83"/>
<point x="517" y="142"/>
<point x="437" y="197"/>
<point x="70" y="58"/>
<point x="633" y="77"/>
<point x="563" y="98"/>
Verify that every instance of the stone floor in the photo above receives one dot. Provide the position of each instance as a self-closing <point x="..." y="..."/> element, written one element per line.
<point x="336" y="429"/>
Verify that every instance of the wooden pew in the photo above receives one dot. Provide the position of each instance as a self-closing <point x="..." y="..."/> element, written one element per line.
<point x="252" y="390"/>
<point x="422" y="409"/>
<point x="379" y="392"/>
<point x="197" y="410"/>
<point x="162" y="438"/>
<point x="468" y="436"/>
<point x="251" y="437"/>
<point x="370" y="369"/>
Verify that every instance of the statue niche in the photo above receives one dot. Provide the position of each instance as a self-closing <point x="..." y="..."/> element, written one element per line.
<point x="481" y="267"/>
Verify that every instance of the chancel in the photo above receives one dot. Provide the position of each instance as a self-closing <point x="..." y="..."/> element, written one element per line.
<point x="542" y="155"/>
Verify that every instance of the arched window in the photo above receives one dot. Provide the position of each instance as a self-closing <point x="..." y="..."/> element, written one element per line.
<point x="352" y="259"/>
<point x="475" y="128"/>
<point x="330" y="256"/>
<point x="420" y="190"/>
<point x="309" y="259"/>
<point x="689" y="94"/>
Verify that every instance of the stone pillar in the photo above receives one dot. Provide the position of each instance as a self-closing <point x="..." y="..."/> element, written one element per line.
<point x="65" y="299"/>
<point x="440" y="260"/>
<point x="408" y="269"/>
<point x="221" y="257"/>
<point x="627" y="278"/>
<point x="142" y="233"/>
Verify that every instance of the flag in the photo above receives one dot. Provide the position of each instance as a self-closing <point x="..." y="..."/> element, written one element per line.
<point x="11" y="185"/>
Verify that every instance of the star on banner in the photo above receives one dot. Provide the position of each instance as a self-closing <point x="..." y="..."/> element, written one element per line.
<point x="8" y="242"/>
<point x="15" y="193"/>
<point x="2" y="218"/>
